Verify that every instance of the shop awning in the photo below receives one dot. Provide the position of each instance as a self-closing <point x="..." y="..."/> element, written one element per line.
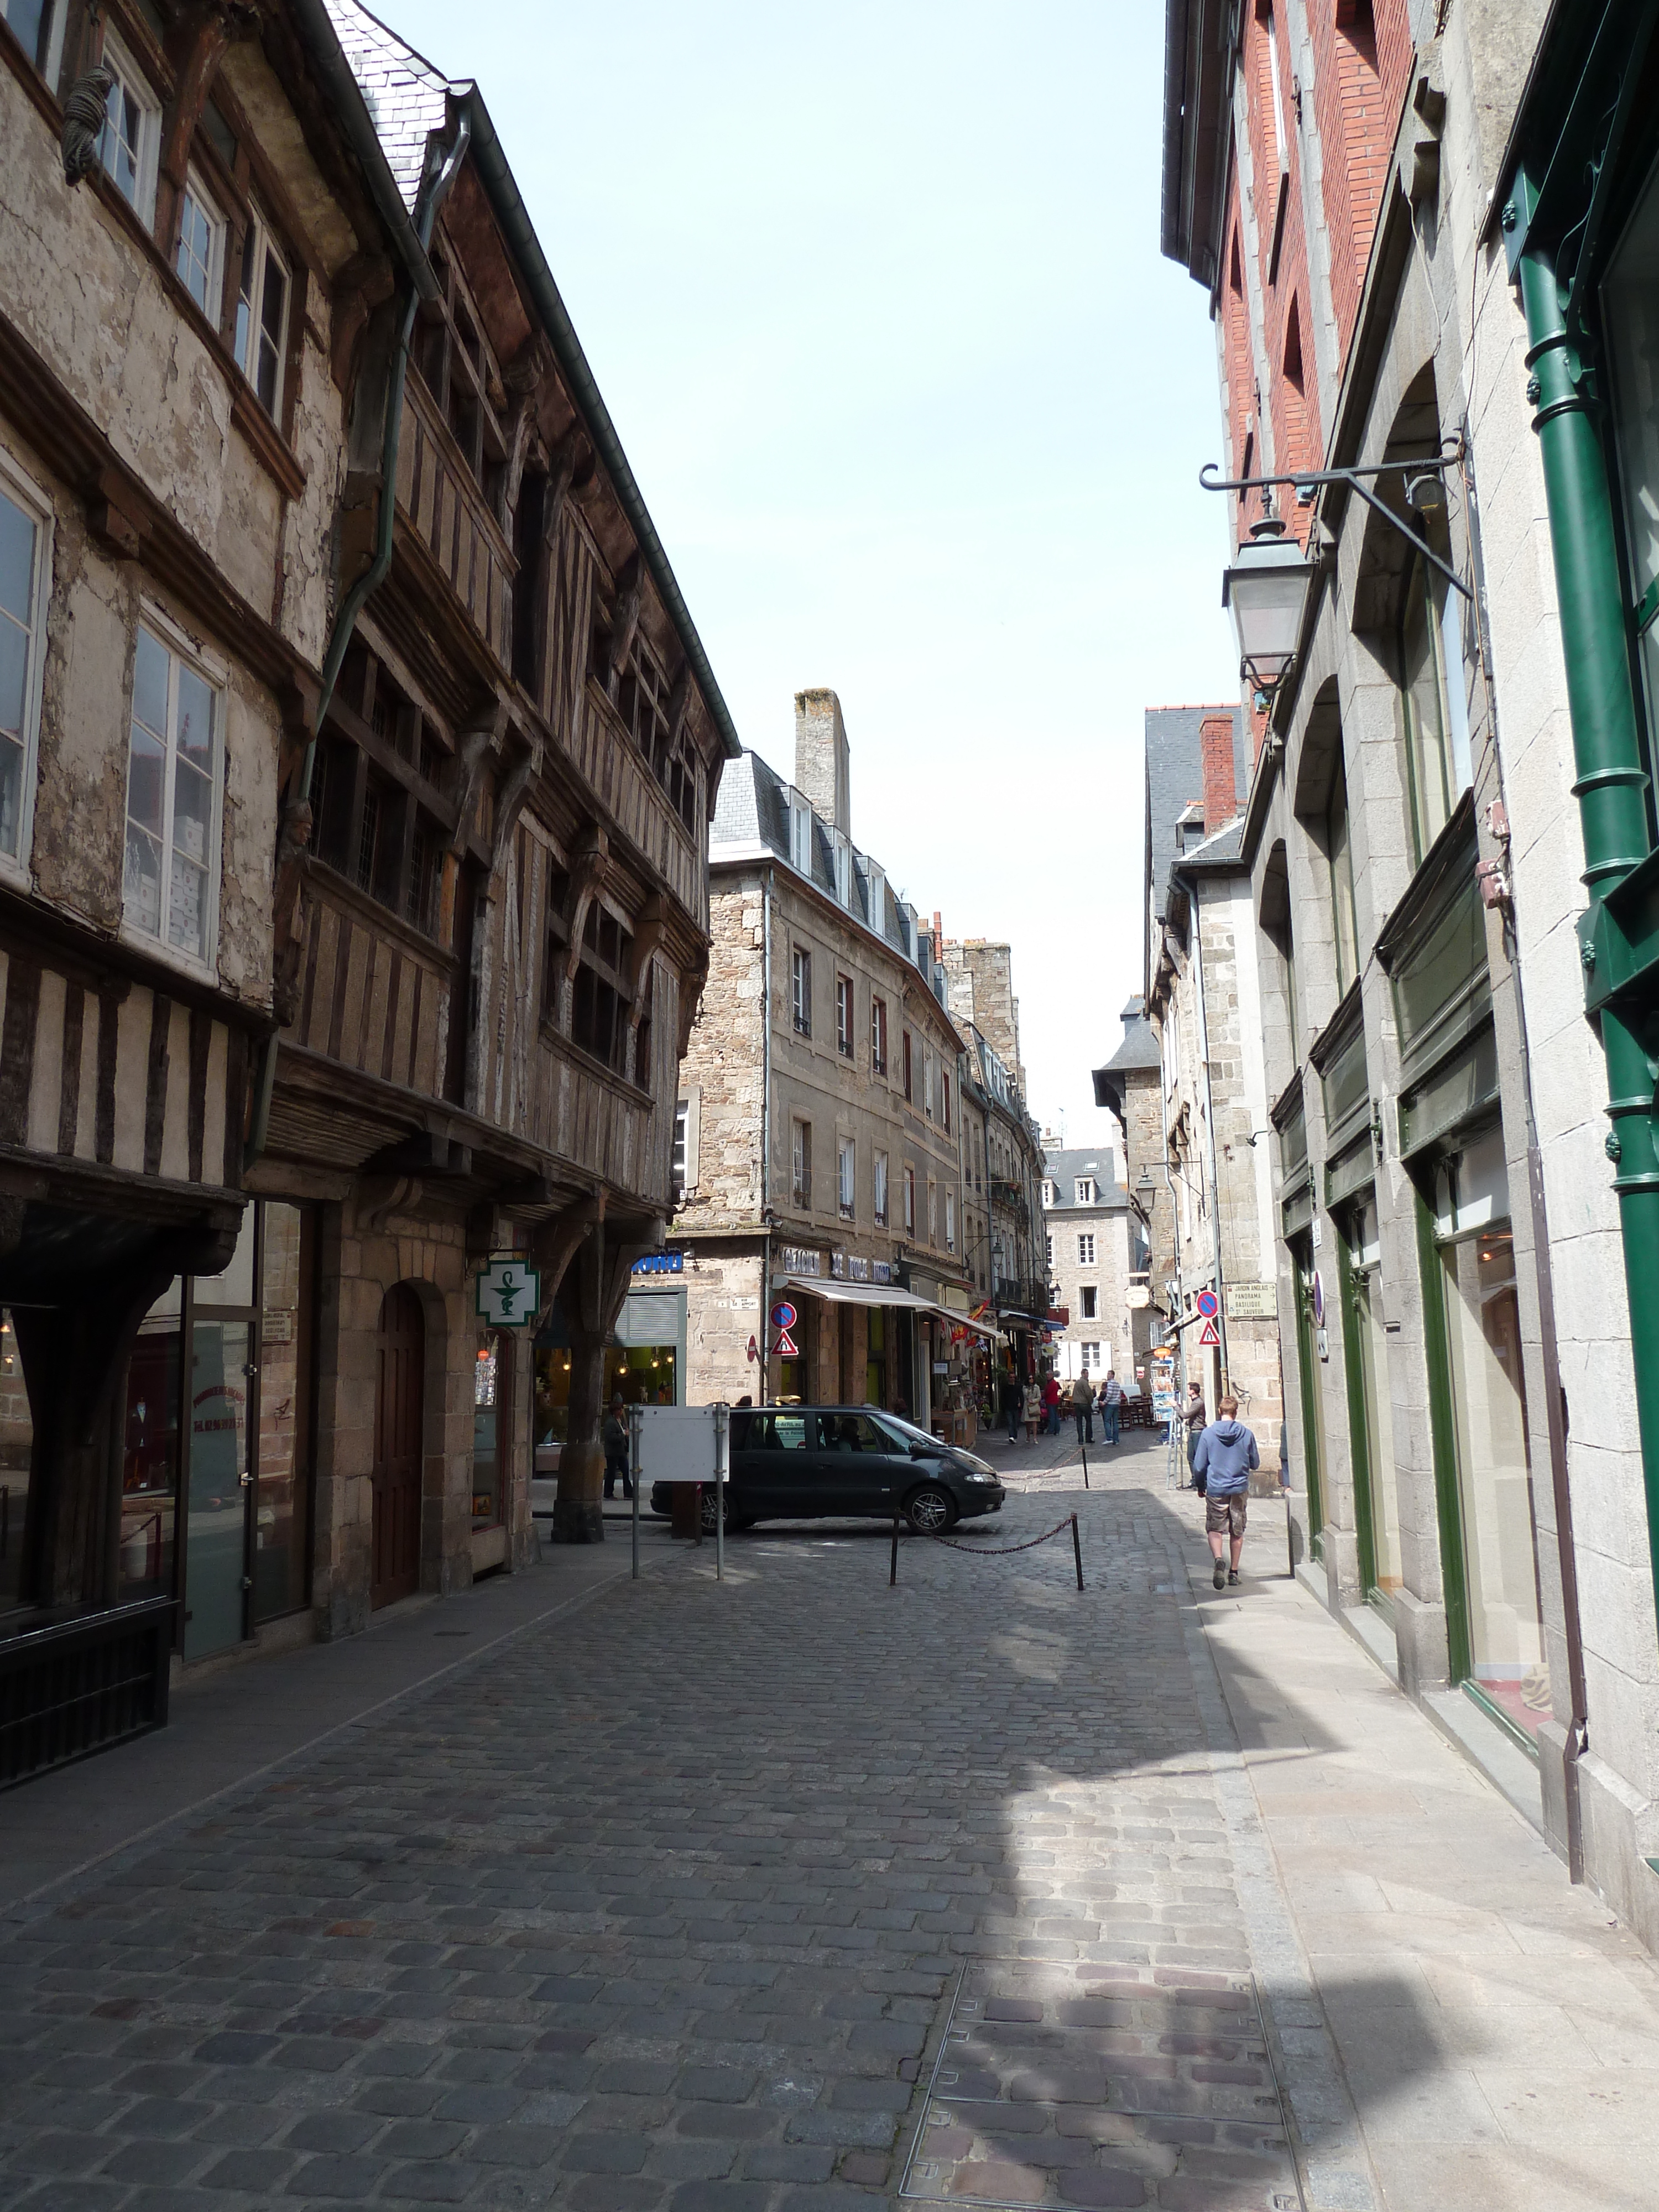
<point x="841" y="1293"/>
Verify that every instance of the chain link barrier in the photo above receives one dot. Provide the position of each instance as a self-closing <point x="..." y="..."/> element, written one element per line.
<point x="994" y="1550"/>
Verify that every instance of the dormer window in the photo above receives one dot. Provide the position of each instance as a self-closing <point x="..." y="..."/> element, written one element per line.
<point x="800" y="835"/>
<point x="1084" y="1190"/>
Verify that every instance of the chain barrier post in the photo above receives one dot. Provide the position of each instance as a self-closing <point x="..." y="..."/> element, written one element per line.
<point x="722" y="1465"/>
<point x="1076" y="1549"/>
<point x="1084" y="1449"/>
<point x="892" y="1571"/>
<point x="636" y="1426"/>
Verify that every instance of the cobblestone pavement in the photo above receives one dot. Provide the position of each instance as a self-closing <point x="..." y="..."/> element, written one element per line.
<point x="783" y="1895"/>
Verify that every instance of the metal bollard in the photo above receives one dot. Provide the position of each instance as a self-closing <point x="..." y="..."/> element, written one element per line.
<point x="722" y="1474"/>
<point x="636" y="1423"/>
<point x="1084" y="1449"/>
<point x="892" y="1571"/>
<point x="1076" y="1550"/>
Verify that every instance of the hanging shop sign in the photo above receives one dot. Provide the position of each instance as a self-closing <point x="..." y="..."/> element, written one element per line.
<point x="508" y="1293"/>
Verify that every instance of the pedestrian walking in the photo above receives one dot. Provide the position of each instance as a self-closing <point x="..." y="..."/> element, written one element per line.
<point x="614" y="1437"/>
<point x="1013" y="1405"/>
<point x="1083" y="1408"/>
<point x="1193" y="1415"/>
<point x="1226" y="1453"/>
<point x="1051" y="1403"/>
<point x="1032" y="1408"/>
<point x="1111" y="1405"/>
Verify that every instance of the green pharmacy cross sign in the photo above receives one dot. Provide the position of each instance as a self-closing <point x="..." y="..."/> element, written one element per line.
<point x="509" y="1293"/>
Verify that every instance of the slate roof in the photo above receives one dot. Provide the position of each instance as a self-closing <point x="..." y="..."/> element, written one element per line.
<point x="1174" y="781"/>
<point x="1063" y="1169"/>
<point x="407" y="97"/>
<point x="753" y="808"/>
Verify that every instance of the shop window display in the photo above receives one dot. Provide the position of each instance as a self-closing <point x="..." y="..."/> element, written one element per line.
<point x="644" y="1374"/>
<point x="282" y="1530"/>
<point x="16" y="1437"/>
<point x="492" y="1397"/>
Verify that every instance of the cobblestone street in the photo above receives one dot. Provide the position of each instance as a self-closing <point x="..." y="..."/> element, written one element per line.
<point x="802" y="1891"/>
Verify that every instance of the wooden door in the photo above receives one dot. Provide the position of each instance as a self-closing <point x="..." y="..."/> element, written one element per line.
<point x="399" y="1390"/>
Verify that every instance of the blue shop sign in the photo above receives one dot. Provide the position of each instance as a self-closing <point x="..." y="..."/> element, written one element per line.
<point x="661" y="1263"/>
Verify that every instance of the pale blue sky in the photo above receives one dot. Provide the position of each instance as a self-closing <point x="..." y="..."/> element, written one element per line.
<point x="874" y="296"/>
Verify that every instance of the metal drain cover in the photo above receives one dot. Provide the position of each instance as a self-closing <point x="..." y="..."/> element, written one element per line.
<point x="1088" y="2086"/>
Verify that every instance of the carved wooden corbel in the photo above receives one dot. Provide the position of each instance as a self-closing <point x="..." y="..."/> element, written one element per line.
<point x="378" y="1197"/>
<point x="554" y="1243"/>
<point x="360" y="286"/>
<point x="522" y="379"/>
<point x="83" y="121"/>
<point x="510" y="803"/>
<point x="588" y="870"/>
<point x="474" y="743"/>
<point x="692" y="982"/>
<point x="649" y="931"/>
<point x="631" y="590"/>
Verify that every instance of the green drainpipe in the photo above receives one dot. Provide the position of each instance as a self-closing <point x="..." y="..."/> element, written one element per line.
<point x="1611" y="787"/>
<point x="441" y="168"/>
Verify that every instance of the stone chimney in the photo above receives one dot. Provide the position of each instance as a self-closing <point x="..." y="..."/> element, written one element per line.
<point x="1215" y="739"/>
<point x="823" y="762"/>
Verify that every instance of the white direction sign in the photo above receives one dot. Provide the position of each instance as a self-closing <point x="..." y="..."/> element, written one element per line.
<point x="509" y="1293"/>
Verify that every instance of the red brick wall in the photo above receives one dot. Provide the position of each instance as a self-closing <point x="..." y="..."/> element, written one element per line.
<point x="1215" y="742"/>
<point x="1362" y="64"/>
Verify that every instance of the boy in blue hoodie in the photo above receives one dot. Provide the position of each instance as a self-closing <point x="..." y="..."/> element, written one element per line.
<point x="1226" y="1453"/>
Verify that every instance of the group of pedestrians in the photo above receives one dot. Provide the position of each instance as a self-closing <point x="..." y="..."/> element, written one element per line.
<point x="1038" y="1406"/>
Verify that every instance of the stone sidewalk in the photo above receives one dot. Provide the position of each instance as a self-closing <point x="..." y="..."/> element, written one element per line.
<point x="801" y="1892"/>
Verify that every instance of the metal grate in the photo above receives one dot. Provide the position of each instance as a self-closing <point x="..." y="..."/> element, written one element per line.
<point x="81" y="1686"/>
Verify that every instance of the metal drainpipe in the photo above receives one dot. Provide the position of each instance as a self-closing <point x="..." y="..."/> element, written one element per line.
<point x="1610" y="788"/>
<point x="1191" y="889"/>
<point x="435" y="181"/>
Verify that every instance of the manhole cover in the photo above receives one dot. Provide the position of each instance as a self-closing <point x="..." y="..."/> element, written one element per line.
<point x="1085" y="2086"/>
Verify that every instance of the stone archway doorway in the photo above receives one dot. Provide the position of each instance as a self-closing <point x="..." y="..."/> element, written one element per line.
<point x="399" y="1399"/>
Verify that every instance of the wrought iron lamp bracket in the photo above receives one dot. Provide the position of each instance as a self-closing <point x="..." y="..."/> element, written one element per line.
<point x="1309" y="479"/>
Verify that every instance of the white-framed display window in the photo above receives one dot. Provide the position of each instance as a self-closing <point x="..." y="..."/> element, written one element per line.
<point x="175" y="795"/>
<point x="25" y="595"/>
<point x="200" y="260"/>
<point x="130" y="144"/>
<point x="262" y="311"/>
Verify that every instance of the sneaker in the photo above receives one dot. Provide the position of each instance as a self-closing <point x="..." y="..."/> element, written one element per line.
<point x="1233" y="1576"/>
<point x="1219" y="1578"/>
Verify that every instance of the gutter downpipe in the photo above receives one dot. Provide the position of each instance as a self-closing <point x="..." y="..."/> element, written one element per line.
<point x="1610" y="787"/>
<point x="1190" y="887"/>
<point x="435" y="181"/>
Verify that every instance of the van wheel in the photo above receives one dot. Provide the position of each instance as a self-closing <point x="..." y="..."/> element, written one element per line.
<point x="930" y="1511"/>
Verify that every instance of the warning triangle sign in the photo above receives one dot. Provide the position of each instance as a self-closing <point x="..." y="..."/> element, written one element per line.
<point x="1208" y="1334"/>
<point x="785" y="1347"/>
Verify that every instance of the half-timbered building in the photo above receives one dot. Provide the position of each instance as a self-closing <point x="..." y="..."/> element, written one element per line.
<point x="492" y="927"/>
<point x="195" y="218"/>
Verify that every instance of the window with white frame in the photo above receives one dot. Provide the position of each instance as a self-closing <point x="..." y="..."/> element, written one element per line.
<point x="1091" y="1358"/>
<point x="881" y="1190"/>
<point x="132" y="138"/>
<point x="878" y="1037"/>
<point x="932" y="1211"/>
<point x="1089" y="1296"/>
<point x="201" y="259"/>
<point x="801" y="1163"/>
<point x="677" y="1167"/>
<point x="944" y="1097"/>
<point x="1084" y="1188"/>
<point x="950" y="1221"/>
<point x="844" y="1016"/>
<point x="1050" y="1243"/>
<point x="37" y="26"/>
<point x="1085" y="1251"/>
<point x="25" y="581"/>
<point x="846" y="1170"/>
<point x="909" y="1201"/>
<point x="262" y="316"/>
<point x="1048" y="1194"/>
<point x="171" y="880"/>
<point x="801" y="989"/>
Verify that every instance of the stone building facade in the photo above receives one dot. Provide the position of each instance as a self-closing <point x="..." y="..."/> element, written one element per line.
<point x="1094" y="1250"/>
<point x="1202" y="1007"/>
<point x="357" y="755"/>
<point x="1469" y="1467"/>
<point x="821" y="1102"/>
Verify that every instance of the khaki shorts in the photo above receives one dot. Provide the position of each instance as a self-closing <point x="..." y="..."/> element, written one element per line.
<point x="1224" y="1516"/>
